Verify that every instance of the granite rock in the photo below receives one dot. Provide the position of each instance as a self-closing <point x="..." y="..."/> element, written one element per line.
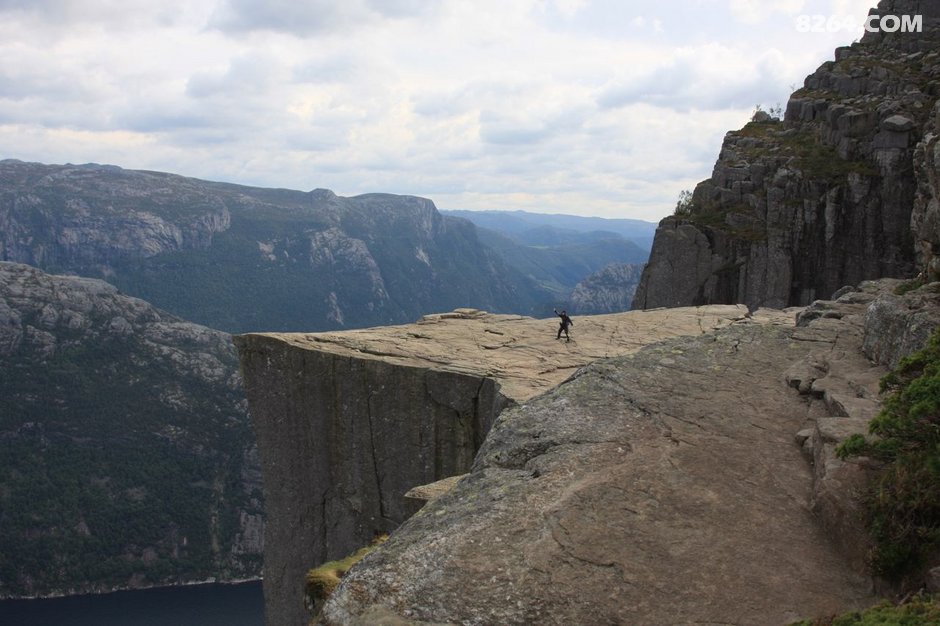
<point x="661" y="487"/>
<point x="348" y="422"/>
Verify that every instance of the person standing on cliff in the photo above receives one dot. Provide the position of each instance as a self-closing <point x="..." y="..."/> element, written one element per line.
<point x="565" y="323"/>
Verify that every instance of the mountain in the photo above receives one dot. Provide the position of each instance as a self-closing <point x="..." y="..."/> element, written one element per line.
<point x="608" y="290"/>
<point x="242" y="258"/>
<point x="126" y="452"/>
<point x="843" y="189"/>
<point x="560" y="266"/>
<point x="534" y="228"/>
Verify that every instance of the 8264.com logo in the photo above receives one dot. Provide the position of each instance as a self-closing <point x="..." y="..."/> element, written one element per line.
<point x="871" y="24"/>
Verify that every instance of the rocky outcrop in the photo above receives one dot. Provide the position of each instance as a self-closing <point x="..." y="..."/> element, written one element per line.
<point x="128" y="456"/>
<point x="348" y="422"/>
<point x="661" y="487"/>
<point x="872" y="327"/>
<point x="897" y="325"/>
<point x="608" y="290"/>
<point x="841" y="190"/>
<point x="303" y="260"/>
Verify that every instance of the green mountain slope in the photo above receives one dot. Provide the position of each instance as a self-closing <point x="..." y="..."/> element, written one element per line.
<point x="126" y="453"/>
<point x="558" y="268"/>
<point x="244" y="258"/>
<point x="531" y="228"/>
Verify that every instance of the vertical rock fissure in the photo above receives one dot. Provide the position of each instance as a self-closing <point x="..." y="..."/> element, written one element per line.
<point x="476" y="437"/>
<point x="324" y="535"/>
<point x="375" y="458"/>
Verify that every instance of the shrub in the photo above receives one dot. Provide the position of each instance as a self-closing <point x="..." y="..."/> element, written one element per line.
<point x="684" y="203"/>
<point x="909" y="285"/>
<point x="903" y="507"/>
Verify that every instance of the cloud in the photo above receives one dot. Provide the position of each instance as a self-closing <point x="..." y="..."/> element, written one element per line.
<point x="336" y="68"/>
<point x="708" y="77"/>
<point x="107" y="15"/>
<point x="753" y="11"/>
<point x="308" y="18"/>
<point x="246" y="76"/>
<point x="579" y="106"/>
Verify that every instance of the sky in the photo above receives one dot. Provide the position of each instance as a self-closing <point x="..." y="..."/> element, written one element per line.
<point x="585" y="107"/>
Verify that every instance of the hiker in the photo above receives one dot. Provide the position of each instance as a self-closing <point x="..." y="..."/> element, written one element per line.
<point x="565" y="323"/>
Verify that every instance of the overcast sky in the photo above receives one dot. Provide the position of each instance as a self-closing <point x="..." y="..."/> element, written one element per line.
<point x="586" y="107"/>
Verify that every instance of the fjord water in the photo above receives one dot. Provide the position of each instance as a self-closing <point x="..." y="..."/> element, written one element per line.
<point x="195" y="605"/>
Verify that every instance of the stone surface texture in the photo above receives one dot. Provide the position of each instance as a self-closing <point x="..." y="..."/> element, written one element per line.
<point x="897" y="325"/>
<point x="348" y="422"/>
<point x="872" y="328"/>
<point x="661" y="487"/>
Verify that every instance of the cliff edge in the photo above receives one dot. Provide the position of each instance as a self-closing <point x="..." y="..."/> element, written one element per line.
<point x="693" y="481"/>
<point x="347" y="422"/>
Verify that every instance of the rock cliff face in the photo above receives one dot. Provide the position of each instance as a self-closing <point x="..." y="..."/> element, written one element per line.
<point x="843" y="189"/>
<point x="204" y="250"/>
<point x="127" y="452"/>
<point x="348" y="422"/>
<point x="608" y="290"/>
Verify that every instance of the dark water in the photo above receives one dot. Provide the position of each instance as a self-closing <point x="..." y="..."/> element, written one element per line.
<point x="197" y="605"/>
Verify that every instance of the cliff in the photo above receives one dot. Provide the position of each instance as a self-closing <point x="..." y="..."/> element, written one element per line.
<point x="662" y="487"/>
<point x="348" y="422"/>
<point x="843" y="189"/>
<point x="127" y="452"/>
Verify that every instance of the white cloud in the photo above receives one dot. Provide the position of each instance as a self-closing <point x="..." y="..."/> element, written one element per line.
<point x="578" y="106"/>
<point x="569" y="8"/>
<point x="752" y="11"/>
<point x="306" y="18"/>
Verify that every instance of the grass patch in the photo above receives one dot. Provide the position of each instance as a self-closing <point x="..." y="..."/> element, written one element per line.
<point x="909" y="285"/>
<point x="916" y="612"/>
<point x="810" y="155"/>
<point x="822" y="161"/>
<point x="903" y="507"/>
<point x="737" y="221"/>
<point x="322" y="580"/>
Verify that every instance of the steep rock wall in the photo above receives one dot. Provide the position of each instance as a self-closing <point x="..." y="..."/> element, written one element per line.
<point x="342" y="439"/>
<point x="843" y="189"/>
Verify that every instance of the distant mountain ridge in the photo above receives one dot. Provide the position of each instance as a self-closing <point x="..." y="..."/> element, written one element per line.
<point x="243" y="258"/>
<point x="564" y="253"/>
<point x="524" y="225"/>
<point x="608" y="290"/>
